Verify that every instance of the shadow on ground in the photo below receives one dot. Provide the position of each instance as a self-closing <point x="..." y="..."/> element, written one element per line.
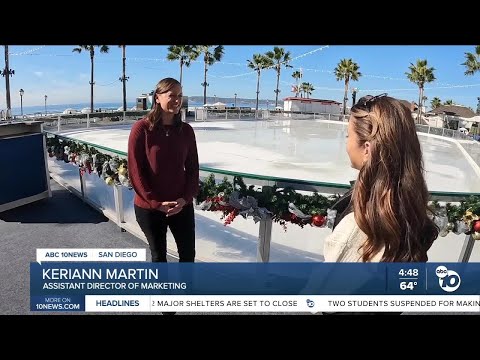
<point x="62" y="208"/>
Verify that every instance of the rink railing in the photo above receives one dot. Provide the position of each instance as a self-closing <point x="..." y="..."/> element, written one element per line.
<point x="67" y="121"/>
<point x="114" y="201"/>
<point x="202" y="114"/>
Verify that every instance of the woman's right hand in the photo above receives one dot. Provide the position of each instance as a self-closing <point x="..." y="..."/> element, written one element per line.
<point x="166" y="205"/>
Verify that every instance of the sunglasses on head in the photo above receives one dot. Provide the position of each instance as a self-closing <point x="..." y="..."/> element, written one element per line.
<point x="367" y="101"/>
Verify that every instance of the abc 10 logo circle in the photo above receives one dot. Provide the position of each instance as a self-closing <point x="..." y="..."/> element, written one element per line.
<point x="448" y="280"/>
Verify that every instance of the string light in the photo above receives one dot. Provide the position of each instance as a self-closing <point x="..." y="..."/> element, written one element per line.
<point x="273" y="66"/>
<point x="28" y="52"/>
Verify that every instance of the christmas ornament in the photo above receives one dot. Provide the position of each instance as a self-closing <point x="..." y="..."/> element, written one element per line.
<point x="122" y="170"/>
<point x="109" y="181"/>
<point x="476" y="226"/>
<point x="318" y="220"/>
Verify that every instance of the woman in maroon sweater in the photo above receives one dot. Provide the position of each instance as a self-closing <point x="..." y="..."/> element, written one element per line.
<point x="164" y="172"/>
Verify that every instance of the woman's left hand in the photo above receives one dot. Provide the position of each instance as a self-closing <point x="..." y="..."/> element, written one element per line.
<point x="177" y="208"/>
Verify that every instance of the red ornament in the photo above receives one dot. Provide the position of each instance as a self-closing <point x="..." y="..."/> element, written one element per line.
<point x="318" y="220"/>
<point x="476" y="226"/>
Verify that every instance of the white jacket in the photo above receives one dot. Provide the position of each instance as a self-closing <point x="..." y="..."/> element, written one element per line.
<point x="343" y="244"/>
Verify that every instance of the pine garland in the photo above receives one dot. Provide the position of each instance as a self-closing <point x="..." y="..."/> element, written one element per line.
<point x="111" y="168"/>
<point x="275" y="200"/>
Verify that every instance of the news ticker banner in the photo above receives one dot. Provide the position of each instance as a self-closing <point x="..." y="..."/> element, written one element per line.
<point x="101" y="282"/>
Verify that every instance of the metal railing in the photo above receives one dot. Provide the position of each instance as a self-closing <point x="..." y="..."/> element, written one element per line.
<point x="204" y="114"/>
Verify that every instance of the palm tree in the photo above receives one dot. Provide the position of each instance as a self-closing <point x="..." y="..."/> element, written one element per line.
<point x="307" y="89"/>
<point x="209" y="58"/>
<point x="258" y="63"/>
<point x="347" y="70"/>
<point x="279" y="57"/>
<point x="424" y="98"/>
<point x="448" y="124"/>
<point x="91" y="50"/>
<point x="420" y="74"/>
<point x="297" y="75"/>
<point x="124" y="78"/>
<point x="183" y="53"/>
<point x="7" y="73"/>
<point x="472" y="62"/>
<point x="436" y="102"/>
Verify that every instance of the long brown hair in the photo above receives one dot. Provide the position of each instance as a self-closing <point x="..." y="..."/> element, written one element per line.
<point x="390" y="197"/>
<point x="155" y="114"/>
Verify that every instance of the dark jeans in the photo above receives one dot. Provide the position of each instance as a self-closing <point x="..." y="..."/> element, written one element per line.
<point x="154" y="225"/>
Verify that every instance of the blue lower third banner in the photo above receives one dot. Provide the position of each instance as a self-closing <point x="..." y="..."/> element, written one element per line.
<point x="139" y="286"/>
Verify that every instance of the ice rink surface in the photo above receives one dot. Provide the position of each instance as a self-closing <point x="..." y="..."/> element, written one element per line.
<point x="297" y="149"/>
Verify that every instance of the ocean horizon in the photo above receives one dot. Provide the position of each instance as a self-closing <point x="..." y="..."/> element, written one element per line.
<point x="59" y="108"/>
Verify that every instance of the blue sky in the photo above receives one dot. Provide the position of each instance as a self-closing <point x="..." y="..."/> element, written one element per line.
<point x="64" y="76"/>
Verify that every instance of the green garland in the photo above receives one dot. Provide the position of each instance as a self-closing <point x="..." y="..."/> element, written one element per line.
<point x="274" y="199"/>
<point x="83" y="155"/>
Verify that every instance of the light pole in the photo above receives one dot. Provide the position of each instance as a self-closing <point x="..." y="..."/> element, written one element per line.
<point x="215" y="96"/>
<point x="123" y="79"/>
<point x="236" y="100"/>
<point x="21" y="101"/>
<point x="46" y="105"/>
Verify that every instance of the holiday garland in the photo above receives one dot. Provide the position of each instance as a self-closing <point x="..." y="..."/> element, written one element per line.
<point x="282" y="205"/>
<point x="111" y="168"/>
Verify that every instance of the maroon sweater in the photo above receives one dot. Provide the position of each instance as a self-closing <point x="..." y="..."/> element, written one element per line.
<point x="160" y="167"/>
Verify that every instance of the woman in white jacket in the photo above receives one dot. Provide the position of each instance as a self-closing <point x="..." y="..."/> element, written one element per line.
<point x="385" y="215"/>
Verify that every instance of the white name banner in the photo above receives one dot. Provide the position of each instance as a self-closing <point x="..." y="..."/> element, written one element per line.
<point x="282" y="303"/>
<point x="107" y="255"/>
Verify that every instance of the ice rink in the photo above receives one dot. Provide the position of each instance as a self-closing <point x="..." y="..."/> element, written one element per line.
<point x="298" y="149"/>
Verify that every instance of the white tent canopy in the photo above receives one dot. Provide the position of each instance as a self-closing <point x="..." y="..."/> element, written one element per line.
<point x="218" y="105"/>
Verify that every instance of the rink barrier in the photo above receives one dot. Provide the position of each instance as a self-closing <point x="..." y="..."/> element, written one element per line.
<point x="112" y="203"/>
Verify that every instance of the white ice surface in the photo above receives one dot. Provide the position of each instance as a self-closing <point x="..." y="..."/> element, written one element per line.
<point x="297" y="149"/>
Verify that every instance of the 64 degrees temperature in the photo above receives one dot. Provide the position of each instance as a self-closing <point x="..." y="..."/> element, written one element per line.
<point x="408" y="285"/>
